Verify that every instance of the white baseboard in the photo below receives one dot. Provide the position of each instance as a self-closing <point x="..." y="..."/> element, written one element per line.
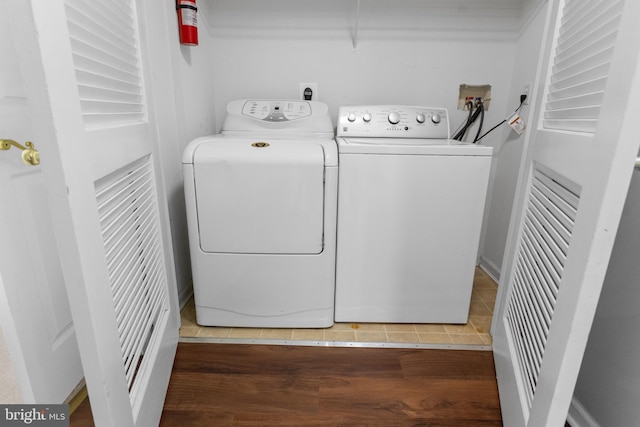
<point x="185" y="295"/>
<point x="579" y="416"/>
<point x="490" y="268"/>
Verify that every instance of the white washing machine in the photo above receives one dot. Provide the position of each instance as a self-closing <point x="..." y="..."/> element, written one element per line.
<point x="410" y="210"/>
<point x="261" y="209"/>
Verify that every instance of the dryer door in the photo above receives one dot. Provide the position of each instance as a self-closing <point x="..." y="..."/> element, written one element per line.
<point x="260" y="197"/>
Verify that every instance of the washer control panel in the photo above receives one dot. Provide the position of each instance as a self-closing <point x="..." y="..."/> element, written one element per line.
<point x="393" y="121"/>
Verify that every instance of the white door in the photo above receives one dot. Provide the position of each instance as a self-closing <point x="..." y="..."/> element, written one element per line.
<point x="572" y="188"/>
<point x="84" y="77"/>
<point x="34" y="311"/>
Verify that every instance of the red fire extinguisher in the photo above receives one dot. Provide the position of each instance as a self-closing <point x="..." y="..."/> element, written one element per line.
<point x="187" y="21"/>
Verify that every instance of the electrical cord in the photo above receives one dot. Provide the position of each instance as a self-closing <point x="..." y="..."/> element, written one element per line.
<point x="522" y="99"/>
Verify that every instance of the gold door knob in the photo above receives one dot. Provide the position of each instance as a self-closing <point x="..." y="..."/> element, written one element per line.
<point x="30" y="155"/>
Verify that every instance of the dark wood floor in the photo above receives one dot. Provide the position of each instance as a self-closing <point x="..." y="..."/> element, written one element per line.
<point x="259" y="385"/>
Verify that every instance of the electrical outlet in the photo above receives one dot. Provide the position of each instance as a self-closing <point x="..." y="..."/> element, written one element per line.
<point x="314" y="91"/>
<point x="525" y="91"/>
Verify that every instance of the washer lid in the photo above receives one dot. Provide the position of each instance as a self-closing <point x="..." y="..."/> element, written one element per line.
<point x="444" y="147"/>
<point x="260" y="196"/>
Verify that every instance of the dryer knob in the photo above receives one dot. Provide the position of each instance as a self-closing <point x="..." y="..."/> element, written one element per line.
<point x="351" y="117"/>
<point x="394" y="118"/>
<point x="366" y="117"/>
<point x="420" y="118"/>
<point x="436" y="118"/>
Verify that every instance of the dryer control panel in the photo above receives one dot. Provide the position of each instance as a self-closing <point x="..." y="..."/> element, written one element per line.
<point x="393" y="121"/>
<point x="276" y="111"/>
<point x="281" y="116"/>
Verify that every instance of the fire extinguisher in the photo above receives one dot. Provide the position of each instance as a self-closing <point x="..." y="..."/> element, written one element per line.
<point x="187" y="22"/>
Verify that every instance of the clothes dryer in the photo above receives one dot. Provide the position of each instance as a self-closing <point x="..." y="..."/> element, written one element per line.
<point x="261" y="203"/>
<point x="410" y="210"/>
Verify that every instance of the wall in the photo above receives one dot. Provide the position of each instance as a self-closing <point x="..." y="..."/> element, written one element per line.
<point x="608" y="388"/>
<point x="195" y="96"/>
<point x="182" y="90"/>
<point x="407" y="52"/>
<point x="508" y="146"/>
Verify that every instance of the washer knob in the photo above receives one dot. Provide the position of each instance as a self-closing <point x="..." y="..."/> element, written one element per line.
<point x="366" y="117"/>
<point x="436" y="118"/>
<point x="394" y="118"/>
<point x="351" y="117"/>
<point x="420" y="118"/>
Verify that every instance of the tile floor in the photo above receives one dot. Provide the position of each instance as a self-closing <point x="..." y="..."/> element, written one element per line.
<point x="475" y="332"/>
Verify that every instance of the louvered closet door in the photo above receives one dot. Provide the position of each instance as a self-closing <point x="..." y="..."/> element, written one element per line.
<point x="87" y="79"/>
<point x="580" y="151"/>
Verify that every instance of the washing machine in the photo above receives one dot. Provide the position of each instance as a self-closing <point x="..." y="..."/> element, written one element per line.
<point x="261" y="201"/>
<point x="410" y="210"/>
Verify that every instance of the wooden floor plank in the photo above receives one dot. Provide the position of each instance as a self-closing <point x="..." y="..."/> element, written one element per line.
<point x="461" y="364"/>
<point x="222" y="358"/>
<point x="261" y="385"/>
<point x="364" y="398"/>
<point x="197" y="392"/>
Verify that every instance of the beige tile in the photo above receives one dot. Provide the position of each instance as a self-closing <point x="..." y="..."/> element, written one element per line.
<point x="484" y="282"/>
<point x="434" y="338"/>
<point x="460" y="329"/>
<point x="188" y="314"/>
<point x="475" y="297"/>
<point x="473" y="339"/>
<point x="482" y="324"/>
<point x="430" y="327"/>
<point x="188" y="319"/>
<point x="371" y="336"/>
<point x="373" y="327"/>
<point x="486" y="339"/>
<point x="346" y="336"/>
<point x="490" y="306"/>
<point x="479" y="308"/>
<point x="400" y="327"/>
<point x="403" y="337"/>
<point x="341" y="327"/>
<point x="189" y="331"/>
<point x="244" y="333"/>
<point x="277" y="334"/>
<point x="214" y="332"/>
<point x="308" y="334"/>
<point x="487" y="295"/>
<point x="479" y="274"/>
